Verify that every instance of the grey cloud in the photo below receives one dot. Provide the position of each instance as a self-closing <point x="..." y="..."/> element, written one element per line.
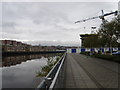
<point x="50" y="21"/>
<point x="56" y="42"/>
<point x="9" y="27"/>
<point x="8" y="24"/>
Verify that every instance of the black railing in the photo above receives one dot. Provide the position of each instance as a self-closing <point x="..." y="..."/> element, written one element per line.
<point x="51" y="79"/>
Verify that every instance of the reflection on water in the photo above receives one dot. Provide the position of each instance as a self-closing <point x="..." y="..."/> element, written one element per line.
<point x="20" y="71"/>
<point x="13" y="60"/>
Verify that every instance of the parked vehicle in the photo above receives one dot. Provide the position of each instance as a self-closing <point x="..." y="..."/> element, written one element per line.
<point x="116" y="53"/>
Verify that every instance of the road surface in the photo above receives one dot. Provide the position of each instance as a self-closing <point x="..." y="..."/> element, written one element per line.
<point x="86" y="72"/>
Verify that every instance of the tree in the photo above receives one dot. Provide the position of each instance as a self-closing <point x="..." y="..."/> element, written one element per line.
<point x="109" y="33"/>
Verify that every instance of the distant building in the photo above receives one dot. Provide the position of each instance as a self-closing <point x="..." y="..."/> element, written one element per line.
<point x="16" y="46"/>
<point x="89" y="40"/>
<point x="83" y="38"/>
<point x="13" y="46"/>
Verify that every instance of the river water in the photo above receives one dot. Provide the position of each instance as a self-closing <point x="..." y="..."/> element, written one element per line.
<point x="21" y="71"/>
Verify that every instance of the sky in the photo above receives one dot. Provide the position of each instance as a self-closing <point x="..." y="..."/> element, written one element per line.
<point x="51" y="23"/>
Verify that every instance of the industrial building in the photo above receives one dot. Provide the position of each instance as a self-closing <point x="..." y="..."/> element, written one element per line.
<point x="89" y="40"/>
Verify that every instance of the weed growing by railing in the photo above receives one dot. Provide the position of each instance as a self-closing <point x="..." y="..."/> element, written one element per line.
<point x="45" y="69"/>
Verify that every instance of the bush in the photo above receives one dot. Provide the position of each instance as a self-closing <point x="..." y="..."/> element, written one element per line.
<point x="46" y="69"/>
<point x="85" y="53"/>
<point x="115" y="58"/>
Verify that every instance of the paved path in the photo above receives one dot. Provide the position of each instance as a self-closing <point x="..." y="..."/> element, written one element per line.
<point x="87" y="72"/>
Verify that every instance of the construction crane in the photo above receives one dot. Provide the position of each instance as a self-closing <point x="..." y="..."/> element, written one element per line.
<point x="101" y="17"/>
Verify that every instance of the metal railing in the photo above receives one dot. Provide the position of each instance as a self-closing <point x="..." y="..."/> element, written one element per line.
<point x="51" y="79"/>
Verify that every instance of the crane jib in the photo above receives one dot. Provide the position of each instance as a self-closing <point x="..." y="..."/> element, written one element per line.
<point x="111" y="13"/>
<point x="101" y="17"/>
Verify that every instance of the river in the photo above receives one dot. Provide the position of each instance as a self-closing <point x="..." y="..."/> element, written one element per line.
<point x="21" y="71"/>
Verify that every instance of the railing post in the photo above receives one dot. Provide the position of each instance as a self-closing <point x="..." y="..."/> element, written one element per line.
<point x="47" y="81"/>
<point x="51" y="78"/>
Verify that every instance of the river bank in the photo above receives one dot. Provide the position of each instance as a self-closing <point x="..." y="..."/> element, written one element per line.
<point x="27" y="53"/>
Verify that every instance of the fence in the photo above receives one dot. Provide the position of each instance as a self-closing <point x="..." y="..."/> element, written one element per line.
<point x="54" y="77"/>
<point x="79" y="50"/>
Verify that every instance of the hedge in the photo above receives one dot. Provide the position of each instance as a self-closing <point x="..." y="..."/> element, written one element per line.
<point x="115" y="58"/>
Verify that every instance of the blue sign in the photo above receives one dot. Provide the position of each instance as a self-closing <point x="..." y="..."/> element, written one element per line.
<point x="102" y="49"/>
<point x="119" y="48"/>
<point x="92" y="49"/>
<point x="110" y="49"/>
<point x="82" y="49"/>
<point x="73" y="50"/>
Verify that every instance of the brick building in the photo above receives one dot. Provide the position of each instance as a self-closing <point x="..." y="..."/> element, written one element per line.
<point x="16" y="46"/>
